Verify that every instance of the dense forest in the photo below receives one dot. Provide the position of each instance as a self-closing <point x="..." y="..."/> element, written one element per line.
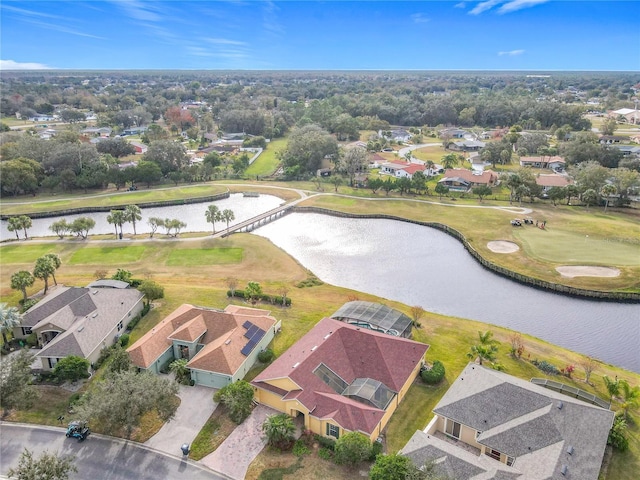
<point x="318" y="107"/>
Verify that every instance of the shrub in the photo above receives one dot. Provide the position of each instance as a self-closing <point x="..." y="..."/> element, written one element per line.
<point x="105" y="353"/>
<point x="325" y="453"/>
<point x="32" y="339"/>
<point x="164" y="368"/>
<point x="30" y="302"/>
<point x="266" y="356"/>
<point x="124" y="340"/>
<point x="617" y="435"/>
<point x="433" y="375"/>
<point x="548" y="368"/>
<point x="300" y="449"/>
<point x="325" y="442"/>
<point x="352" y="448"/>
<point x="72" y="368"/>
<point x="376" y="449"/>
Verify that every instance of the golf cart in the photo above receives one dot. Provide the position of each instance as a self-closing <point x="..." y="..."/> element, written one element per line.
<point x="78" y="430"/>
<point x="516" y="222"/>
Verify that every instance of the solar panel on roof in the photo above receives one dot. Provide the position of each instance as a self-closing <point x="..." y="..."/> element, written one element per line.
<point x="252" y="330"/>
<point x="257" y="335"/>
<point x="247" y="324"/>
<point x="246" y="350"/>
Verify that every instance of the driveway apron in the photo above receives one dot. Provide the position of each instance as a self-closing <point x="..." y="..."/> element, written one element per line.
<point x="236" y="453"/>
<point x="196" y="406"/>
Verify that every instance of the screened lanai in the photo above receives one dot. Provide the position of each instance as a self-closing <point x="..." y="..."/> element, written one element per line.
<point x="375" y="316"/>
<point x="370" y="391"/>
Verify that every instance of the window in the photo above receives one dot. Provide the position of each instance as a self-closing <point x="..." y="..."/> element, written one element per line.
<point x="333" y="430"/>
<point x="490" y="452"/>
<point x="120" y="325"/>
<point x="510" y="461"/>
<point x="52" y="362"/>
<point x="26" y="330"/>
<point x="453" y="428"/>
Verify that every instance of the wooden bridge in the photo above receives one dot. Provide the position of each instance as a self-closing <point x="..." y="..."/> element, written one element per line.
<point x="257" y="221"/>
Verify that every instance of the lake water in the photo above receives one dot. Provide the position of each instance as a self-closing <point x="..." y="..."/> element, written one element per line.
<point x="418" y="265"/>
<point x="192" y="214"/>
<point x="415" y="265"/>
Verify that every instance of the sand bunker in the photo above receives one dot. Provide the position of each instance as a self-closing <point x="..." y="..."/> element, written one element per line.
<point x="501" y="246"/>
<point x="586" y="271"/>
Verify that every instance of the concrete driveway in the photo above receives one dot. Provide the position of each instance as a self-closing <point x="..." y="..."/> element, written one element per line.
<point x="235" y="454"/>
<point x="196" y="406"/>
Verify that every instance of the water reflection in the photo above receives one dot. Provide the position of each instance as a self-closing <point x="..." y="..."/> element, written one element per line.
<point x="421" y="266"/>
<point x="192" y="214"/>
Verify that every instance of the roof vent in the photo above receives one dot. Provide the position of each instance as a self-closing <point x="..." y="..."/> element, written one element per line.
<point x="560" y="405"/>
<point x="296" y="364"/>
<point x="314" y="347"/>
<point x="564" y="470"/>
<point x="94" y="315"/>
<point x="570" y="450"/>
<point x="327" y="335"/>
<point x="95" y="292"/>
<point x="227" y="342"/>
<point x="81" y="328"/>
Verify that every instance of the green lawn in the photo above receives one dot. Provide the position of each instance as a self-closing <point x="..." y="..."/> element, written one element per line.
<point x="267" y="162"/>
<point x="190" y="257"/>
<point x="120" y="256"/>
<point x="25" y="252"/>
<point x="575" y="248"/>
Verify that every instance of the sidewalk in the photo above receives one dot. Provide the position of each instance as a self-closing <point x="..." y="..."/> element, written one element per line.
<point x="196" y="406"/>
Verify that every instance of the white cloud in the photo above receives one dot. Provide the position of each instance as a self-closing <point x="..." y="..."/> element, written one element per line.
<point x="484" y="6"/>
<point x="13" y="65"/>
<point x="225" y="41"/>
<point x="515" y="5"/>
<point x="511" y="53"/>
<point x="139" y="10"/>
<point x="419" y="18"/>
<point x="460" y="5"/>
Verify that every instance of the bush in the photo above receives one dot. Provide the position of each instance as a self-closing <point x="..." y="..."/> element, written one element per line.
<point x="105" y="353"/>
<point x="548" y="368"/>
<point x="30" y="302"/>
<point x="352" y="448"/>
<point x="325" y="453"/>
<point x="300" y="449"/>
<point x="266" y="356"/>
<point x="434" y="375"/>
<point x="124" y="340"/>
<point x="32" y="339"/>
<point x="617" y="435"/>
<point x="325" y="442"/>
<point x="164" y="368"/>
<point x="376" y="449"/>
<point x="72" y="368"/>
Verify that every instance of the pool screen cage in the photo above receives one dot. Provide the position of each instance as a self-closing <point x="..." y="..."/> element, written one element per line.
<point x="375" y="316"/>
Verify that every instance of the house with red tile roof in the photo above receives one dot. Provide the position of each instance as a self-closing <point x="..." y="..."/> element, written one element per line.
<point x="401" y="169"/>
<point x="220" y="345"/>
<point x="461" y="179"/>
<point x="341" y="378"/>
<point x="555" y="162"/>
<point x="552" y="180"/>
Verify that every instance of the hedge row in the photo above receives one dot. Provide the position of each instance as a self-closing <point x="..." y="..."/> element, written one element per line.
<point x="273" y="299"/>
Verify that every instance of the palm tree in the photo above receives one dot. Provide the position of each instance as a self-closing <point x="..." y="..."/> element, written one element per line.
<point x="606" y="192"/>
<point x="228" y="216"/>
<point x="25" y="222"/>
<point x="513" y="181"/>
<point x="43" y="269"/>
<point x="613" y="386"/>
<point x="180" y="369"/>
<point x="9" y="318"/>
<point x="21" y="280"/>
<point x="132" y="214"/>
<point x="279" y="430"/>
<point x="117" y="217"/>
<point x="486" y="338"/>
<point x="429" y="164"/>
<point x="630" y="397"/>
<point x="14" y="225"/>
<point x="213" y="215"/>
<point x="55" y="259"/>
<point x="483" y="352"/>
<point x="450" y="160"/>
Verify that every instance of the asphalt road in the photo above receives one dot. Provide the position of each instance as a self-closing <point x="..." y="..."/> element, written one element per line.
<point x="98" y="457"/>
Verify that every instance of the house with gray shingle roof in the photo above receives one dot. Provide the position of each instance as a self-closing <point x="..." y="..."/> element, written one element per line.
<point x="490" y="425"/>
<point x="79" y="321"/>
<point x="341" y="378"/>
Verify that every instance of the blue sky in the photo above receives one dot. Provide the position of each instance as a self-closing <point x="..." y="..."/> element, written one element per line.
<point x="320" y="35"/>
